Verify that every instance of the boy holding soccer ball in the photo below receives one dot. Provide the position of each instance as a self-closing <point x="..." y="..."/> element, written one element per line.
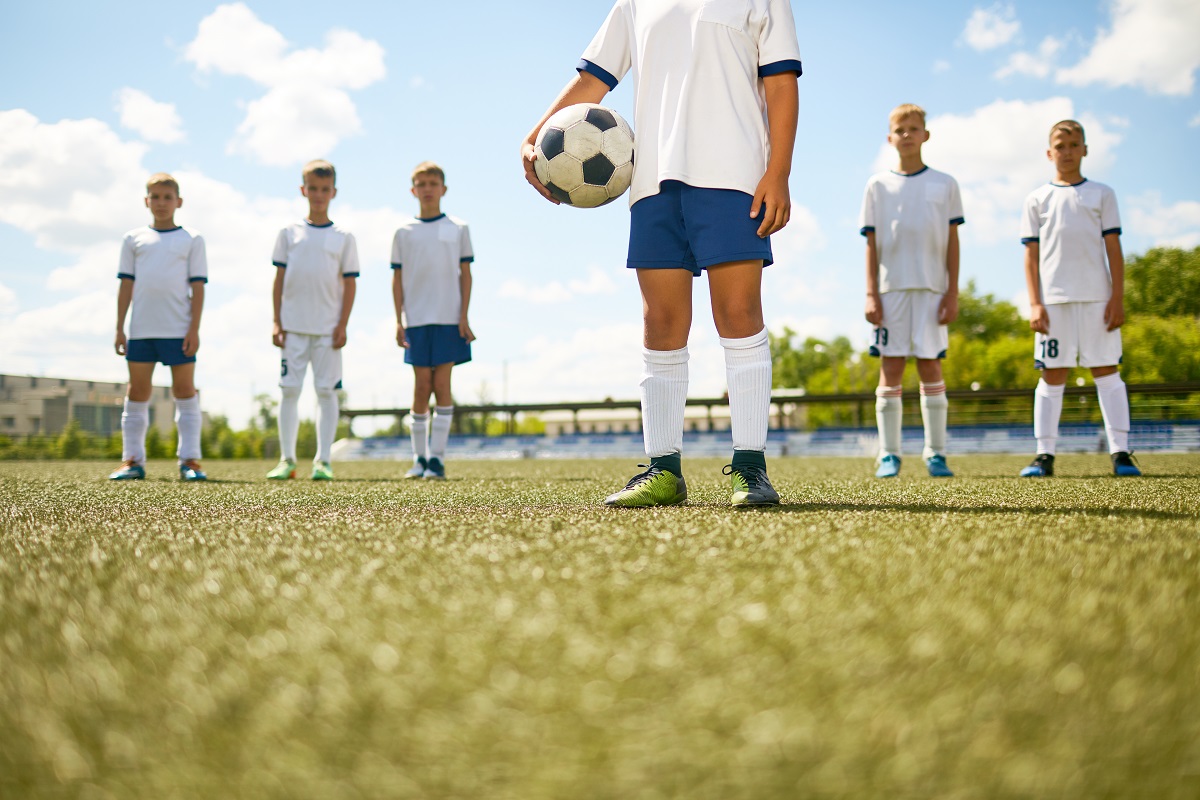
<point x="316" y="272"/>
<point x="910" y="218"/>
<point x="716" y="101"/>
<point x="431" y="288"/>
<point x="1075" y="274"/>
<point x="163" y="272"/>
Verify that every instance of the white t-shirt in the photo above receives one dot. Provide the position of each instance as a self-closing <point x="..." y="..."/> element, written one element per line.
<point x="911" y="216"/>
<point x="428" y="253"/>
<point x="700" y="112"/>
<point x="163" y="266"/>
<point x="316" y="259"/>
<point x="1070" y="223"/>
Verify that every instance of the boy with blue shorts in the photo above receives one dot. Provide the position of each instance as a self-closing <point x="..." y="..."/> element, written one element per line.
<point x="716" y="108"/>
<point x="431" y="289"/>
<point x="163" y="271"/>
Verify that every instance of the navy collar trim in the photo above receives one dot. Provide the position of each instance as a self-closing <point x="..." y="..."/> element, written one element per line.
<point x="166" y="230"/>
<point x="1066" y="185"/>
<point x="911" y="174"/>
<point x="314" y="225"/>
<point x="431" y="219"/>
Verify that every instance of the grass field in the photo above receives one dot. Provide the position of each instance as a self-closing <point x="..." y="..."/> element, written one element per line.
<point x="503" y="636"/>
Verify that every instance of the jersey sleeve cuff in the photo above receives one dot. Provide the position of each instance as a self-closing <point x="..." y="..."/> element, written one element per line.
<point x="863" y="231"/>
<point x="958" y="221"/>
<point x="121" y="275"/>
<point x="779" y="67"/>
<point x="280" y="264"/>
<point x="198" y="279"/>
<point x="609" y="79"/>
<point x="396" y="266"/>
<point x="349" y="274"/>
<point x="1029" y="239"/>
<point x="1117" y="231"/>
<point x="466" y="260"/>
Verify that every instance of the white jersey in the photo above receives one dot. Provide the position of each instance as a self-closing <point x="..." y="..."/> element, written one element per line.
<point x="911" y="216"/>
<point x="428" y="253"/>
<point x="316" y="258"/>
<point x="163" y="266"/>
<point x="1070" y="223"/>
<point x="700" y="112"/>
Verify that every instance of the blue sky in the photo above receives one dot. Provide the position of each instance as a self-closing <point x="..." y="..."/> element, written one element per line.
<point x="232" y="98"/>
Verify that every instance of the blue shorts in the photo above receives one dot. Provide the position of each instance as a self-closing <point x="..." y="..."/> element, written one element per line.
<point x="434" y="345"/>
<point x="168" y="352"/>
<point x="687" y="227"/>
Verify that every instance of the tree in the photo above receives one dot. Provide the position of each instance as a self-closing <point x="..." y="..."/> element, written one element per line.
<point x="71" y="440"/>
<point x="1163" y="282"/>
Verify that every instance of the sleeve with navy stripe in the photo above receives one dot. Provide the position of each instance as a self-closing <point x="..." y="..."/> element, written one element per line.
<point x="608" y="56"/>
<point x="280" y="256"/>
<point x="128" y="266"/>
<point x="780" y="67"/>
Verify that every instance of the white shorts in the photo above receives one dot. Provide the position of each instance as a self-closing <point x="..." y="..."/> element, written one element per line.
<point x="302" y="349"/>
<point x="1078" y="337"/>
<point x="910" y="326"/>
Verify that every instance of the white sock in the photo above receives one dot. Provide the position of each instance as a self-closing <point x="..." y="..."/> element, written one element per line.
<point x="289" y="421"/>
<point x="187" y="422"/>
<point x="664" y="387"/>
<point x="934" y="410"/>
<point x="1114" y="406"/>
<point x="327" y="422"/>
<point x="439" y="431"/>
<point x="418" y="425"/>
<point x="1047" y="409"/>
<point x="748" y="374"/>
<point x="889" y="408"/>
<point x="135" y="419"/>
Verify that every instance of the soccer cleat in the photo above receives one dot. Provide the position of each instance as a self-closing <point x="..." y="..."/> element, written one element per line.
<point x="418" y="468"/>
<point x="284" y="470"/>
<point x="190" y="471"/>
<point x="1042" y="467"/>
<point x="936" y="464"/>
<point x="654" y="487"/>
<point x="751" y="486"/>
<point x="322" y="471"/>
<point x="435" y="470"/>
<point x="1123" y="466"/>
<point x="129" y="471"/>
<point x="889" y="466"/>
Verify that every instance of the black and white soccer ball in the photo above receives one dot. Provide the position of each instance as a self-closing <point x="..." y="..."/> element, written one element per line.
<point x="585" y="155"/>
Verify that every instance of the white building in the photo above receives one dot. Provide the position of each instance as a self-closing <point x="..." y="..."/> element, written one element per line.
<point x="38" y="405"/>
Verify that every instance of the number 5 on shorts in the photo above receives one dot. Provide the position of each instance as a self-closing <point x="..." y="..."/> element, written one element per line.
<point x="283" y="367"/>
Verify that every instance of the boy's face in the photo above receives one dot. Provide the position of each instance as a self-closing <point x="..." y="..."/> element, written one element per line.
<point x="319" y="191"/>
<point x="908" y="134"/>
<point x="162" y="201"/>
<point x="428" y="188"/>
<point x="1067" y="151"/>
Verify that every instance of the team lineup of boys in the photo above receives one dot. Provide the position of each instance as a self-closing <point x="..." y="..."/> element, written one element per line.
<point x="710" y="186"/>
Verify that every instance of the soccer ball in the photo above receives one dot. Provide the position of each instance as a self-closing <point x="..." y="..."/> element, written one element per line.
<point x="585" y="155"/>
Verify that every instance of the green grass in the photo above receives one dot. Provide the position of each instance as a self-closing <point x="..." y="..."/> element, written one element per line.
<point x="503" y="636"/>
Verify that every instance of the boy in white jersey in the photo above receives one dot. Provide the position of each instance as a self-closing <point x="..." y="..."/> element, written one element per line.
<point x="431" y="289"/>
<point x="715" y="113"/>
<point x="1070" y="229"/>
<point x="910" y="218"/>
<point x="163" y="271"/>
<point x="316" y="271"/>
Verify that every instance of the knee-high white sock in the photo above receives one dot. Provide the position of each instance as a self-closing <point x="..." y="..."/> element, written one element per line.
<point x="187" y="422"/>
<point x="664" y="394"/>
<point x="289" y="421"/>
<point x="135" y="419"/>
<point x="418" y="426"/>
<point x="748" y="374"/>
<point x="1047" y="410"/>
<point x="1114" y="406"/>
<point x="889" y="408"/>
<point x="327" y="421"/>
<point x="934" y="410"/>
<point x="439" y="431"/>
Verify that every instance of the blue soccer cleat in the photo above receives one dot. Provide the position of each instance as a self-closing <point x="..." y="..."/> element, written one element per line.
<point x="190" y="471"/>
<point x="436" y="471"/>
<point x="1042" y="467"/>
<point x="129" y="471"/>
<point x="889" y="466"/>
<point x="936" y="464"/>
<point x="1123" y="466"/>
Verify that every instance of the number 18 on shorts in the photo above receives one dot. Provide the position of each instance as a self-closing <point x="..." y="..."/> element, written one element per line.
<point x="1078" y="337"/>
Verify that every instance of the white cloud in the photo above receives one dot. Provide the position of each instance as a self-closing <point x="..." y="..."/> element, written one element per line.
<point x="998" y="155"/>
<point x="940" y="66"/>
<point x="1176" y="225"/>
<point x="154" y="121"/>
<point x="597" y="282"/>
<point x="1195" y="122"/>
<point x="306" y="110"/>
<point x="1037" y="65"/>
<point x="1152" y="44"/>
<point x="8" y="300"/>
<point x="988" y="28"/>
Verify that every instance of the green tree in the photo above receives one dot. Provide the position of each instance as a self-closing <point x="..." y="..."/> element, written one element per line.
<point x="1163" y="282"/>
<point x="71" y="441"/>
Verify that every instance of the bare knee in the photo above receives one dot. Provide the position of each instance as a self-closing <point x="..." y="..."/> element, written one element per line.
<point x="737" y="318"/>
<point x="891" y="371"/>
<point x="1056" y="376"/>
<point x="929" y="370"/>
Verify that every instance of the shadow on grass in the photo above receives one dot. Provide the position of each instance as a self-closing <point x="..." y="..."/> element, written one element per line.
<point x="932" y="508"/>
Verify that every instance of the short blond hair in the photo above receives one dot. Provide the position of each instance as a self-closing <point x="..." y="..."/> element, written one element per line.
<point x="320" y="168"/>
<point x="428" y="168"/>
<point x="1067" y="126"/>
<point x="905" y="109"/>
<point x="162" y="179"/>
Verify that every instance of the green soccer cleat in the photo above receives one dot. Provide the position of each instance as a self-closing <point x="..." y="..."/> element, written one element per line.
<point x="654" y="487"/>
<point x="190" y="471"/>
<point x="129" y="471"/>
<point x="322" y="471"/>
<point x="751" y="486"/>
<point x="284" y="470"/>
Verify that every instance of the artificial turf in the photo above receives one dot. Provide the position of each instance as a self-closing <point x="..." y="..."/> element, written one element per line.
<point x="502" y="635"/>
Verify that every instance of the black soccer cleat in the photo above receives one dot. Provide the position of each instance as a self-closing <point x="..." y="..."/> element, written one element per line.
<point x="1042" y="467"/>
